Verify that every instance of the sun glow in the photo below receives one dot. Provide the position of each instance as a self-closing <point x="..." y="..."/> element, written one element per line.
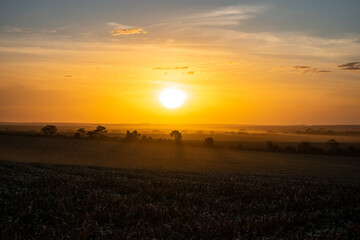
<point x="172" y="98"/>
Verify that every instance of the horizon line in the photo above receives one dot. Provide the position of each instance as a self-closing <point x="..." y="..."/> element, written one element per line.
<point x="242" y="124"/>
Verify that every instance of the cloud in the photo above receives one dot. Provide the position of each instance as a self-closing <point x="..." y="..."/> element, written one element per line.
<point x="300" y="67"/>
<point x="122" y="29"/>
<point x="23" y="30"/>
<point x="191" y="72"/>
<point x="68" y="76"/>
<point x="126" y="31"/>
<point x="308" y="69"/>
<point x="16" y="30"/>
<point x="49" y="31"/>
<point x="170" y="68"/>
<point x="224" y="16"/>
<point x="316" y="70"/>
<point x="230" y="15"/>
<point x="218" y="29"/>
<point x="119" y="25"/>
<point x="350" y="66"/>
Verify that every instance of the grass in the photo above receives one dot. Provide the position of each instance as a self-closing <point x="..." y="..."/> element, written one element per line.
<point x="134" y="191"/>
<point x="45" y="201"/>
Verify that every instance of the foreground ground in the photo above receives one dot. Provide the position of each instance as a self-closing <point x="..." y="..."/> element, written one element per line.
<point x="166" y="192"/>
<point x="44" y="201"/>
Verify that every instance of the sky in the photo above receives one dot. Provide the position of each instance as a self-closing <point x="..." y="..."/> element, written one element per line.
<point x="246" y="62"/>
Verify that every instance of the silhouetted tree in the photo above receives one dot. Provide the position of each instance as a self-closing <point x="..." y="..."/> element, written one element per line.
<point x="333" y="144"/>
<point x="270" y="146"/>
<point x="143" y="138"/>
<point x="92" y="134"/>
<point x="101" y="130"/>
<point x="49" y="130"/>
<point x="128" y="136"/>
<point x="304" y="147"/>
<point x="80" y="133"/>
<point x="309" y="130"/>
<point x="177" y="135"/>
<point x="132" y="136"/>
<point x="352" y="151"/>
<point x="209" y="142"/>
<point x="289" y="149"/>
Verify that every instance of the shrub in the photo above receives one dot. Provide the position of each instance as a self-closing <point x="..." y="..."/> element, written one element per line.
<point x="49" y="130"/>
<point x="209" y="142"/>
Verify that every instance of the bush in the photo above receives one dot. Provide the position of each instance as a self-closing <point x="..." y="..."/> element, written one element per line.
<point x="209" y="142"/>
<point x="49" y="130"/>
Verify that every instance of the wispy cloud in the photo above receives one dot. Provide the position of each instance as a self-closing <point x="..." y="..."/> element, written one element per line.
<point x="125" y="31"/>
<point x="24" y="30"/>
<point x="49" y="31"/>
<point x="219" y="28"/>
<point x="230" y="15"/>
<point x="316" y="70"/>
<point x="16" y="30"/>
<point x="224" y="16"/>
<point x="122" y="29"/>
<point x="170" y="68"/>
<point x="308" y="69"/>
<point x="300" y="67"/>
<point x="350" y="66"/>
<point x="119" y="25"/>
<point x="290" y="44"/>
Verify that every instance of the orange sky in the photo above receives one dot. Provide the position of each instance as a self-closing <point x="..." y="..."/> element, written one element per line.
<point x="114" y="73"/>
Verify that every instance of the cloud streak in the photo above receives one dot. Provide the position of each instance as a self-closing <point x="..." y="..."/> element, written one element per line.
<point x="16" y="30"/>
<point x="49" y="31"/>
<point x="350" y="66"/>
<point x="126" y="31"/>
<point x="300" y="67"/>
<point x="224" y="16"/>
<point x="316" y="70"/>
<point x="308" y="69"/>
<point x="231" y="15"/>
<point x="170" y="68"/>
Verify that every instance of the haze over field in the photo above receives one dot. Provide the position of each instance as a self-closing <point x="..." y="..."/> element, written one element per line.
<point x="172" y="157"/>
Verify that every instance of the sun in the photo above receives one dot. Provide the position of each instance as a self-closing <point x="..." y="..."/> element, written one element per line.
<point x="172" y="98"/>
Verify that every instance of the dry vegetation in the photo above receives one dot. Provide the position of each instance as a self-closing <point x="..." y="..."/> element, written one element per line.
<point x="43" y="201"/>
<point x="218" y="194"/>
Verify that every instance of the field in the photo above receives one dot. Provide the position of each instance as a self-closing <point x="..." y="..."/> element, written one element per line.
<point x="79" y="189"/>
<point x="171" y="157"/>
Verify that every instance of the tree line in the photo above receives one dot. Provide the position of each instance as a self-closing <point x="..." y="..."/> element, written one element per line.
<point x="333" y="148"/>
<point x="322" y="131"/>
<point x="100" y="132"/>
<point x="134" y="136"/>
